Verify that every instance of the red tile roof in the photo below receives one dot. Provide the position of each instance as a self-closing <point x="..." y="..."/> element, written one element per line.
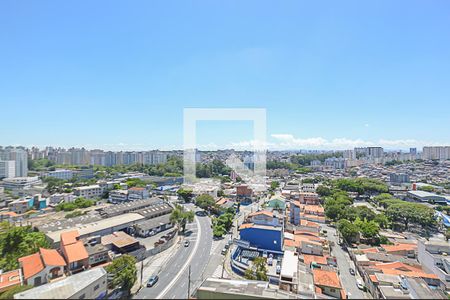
<point x="399" y="268"/>
<point x="69" y="237"/>
<point x="399" y="247"/>
<point x="9" y="279"/>
<point x="51" y="257"/>
<point x="308" y="259"/>
<point x="75" y="252"/>
<point x="326" y="278"/>
<point x="31" y="265"/>
<point x="263" y="212"/>
<point x="246" y="225"/>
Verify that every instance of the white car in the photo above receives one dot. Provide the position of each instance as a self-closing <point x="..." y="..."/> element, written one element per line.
<point x="359" y="284"/>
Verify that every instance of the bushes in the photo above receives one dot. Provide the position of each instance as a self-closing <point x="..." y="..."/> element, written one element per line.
<point x="222" y="224"/>
<point x="74" y="214"/>
<point x="361" y="185"/>
<point x="16" y="242"/>
<point x="78" y="203"/>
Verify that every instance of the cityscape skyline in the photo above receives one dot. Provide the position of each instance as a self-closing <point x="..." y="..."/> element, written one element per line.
<point x="350" y="75"/>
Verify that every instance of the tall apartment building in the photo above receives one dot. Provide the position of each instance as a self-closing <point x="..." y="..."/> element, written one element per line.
<point x="439" y="153"/>
<point x="397" y="178"/>
<point x="19" y="156"/>
<point x="375" y="152"/>
<point x="7" y="169"/>
<point x="370" y="152"/>
<point x="349" y="154"/>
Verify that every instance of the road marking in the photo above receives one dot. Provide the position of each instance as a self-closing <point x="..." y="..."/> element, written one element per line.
<point x="188" y="261"/>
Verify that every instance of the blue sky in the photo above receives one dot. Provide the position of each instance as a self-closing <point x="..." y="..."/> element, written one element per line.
<point x="331" y="74"/>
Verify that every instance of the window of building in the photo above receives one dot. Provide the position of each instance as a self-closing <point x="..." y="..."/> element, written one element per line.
<point x="332" y="290"/>
<point x="96" y="287"/>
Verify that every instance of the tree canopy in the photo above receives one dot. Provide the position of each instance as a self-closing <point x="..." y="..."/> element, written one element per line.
<point x="258" y="270"/>
<point x="16" y="242"/>
<point x="186" y="194"/>
<point x="205" y="201"/>
<point x="123" y="271"/>
<point x="181" y="217"/>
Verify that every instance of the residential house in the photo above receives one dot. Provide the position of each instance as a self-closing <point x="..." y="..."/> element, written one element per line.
<point x="328" y="283"/>
<point x="264" y="217"/>
<point x="42" y="266"/>
<point x="11" y="279"/>
<point x="74" y="252"/>
<point x="433" y="256"/>
<point x="137" y="193"/>
<point x="308" y="198"/>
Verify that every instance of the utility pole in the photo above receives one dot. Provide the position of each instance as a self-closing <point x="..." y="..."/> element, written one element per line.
<point x="142" y="272"/>
<point x="223" y="266"/>
<point x="189" y="283"/>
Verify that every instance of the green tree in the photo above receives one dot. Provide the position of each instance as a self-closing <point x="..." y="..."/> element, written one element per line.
<point x="348" y="230"/>
<point x="186" y="194"/>
<point x="258" y="270"/>
<point x="135" y="182"/>
<point x="218" y="231"/>
<point x="333" y="212"/>
<point x="368" y="229"/>
<point x="181" y="217"/>
<point x="16" y="242"/>
<point x="205" y="201"/>
<point x="381" y="220"/>
<point x="274" y="185"/>
<point x="324" y="191"/>
<point x="124" y="272"/>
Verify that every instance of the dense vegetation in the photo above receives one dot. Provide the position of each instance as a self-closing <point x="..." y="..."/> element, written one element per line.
<point x="403" y="213"/>
<point x="354" y="221"/>
<point x="301" y="162"/>
<point x="16" y="242"/>
<point x="258" y="270"/>
<point x="181" y="217"/>
<point x="186" y="194"/>
<point x="222" y="224"/>
<point x="9" y="294"/>
<point x="362" y="221"/>
<point x="123" y="272"/>
<point x="78" y="203"/>
<point x="361" y="185"/>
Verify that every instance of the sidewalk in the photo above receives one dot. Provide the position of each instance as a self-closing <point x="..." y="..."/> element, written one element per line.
<point x="153" y="265"/>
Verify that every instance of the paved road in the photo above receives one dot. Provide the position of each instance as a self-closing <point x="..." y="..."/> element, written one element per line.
<point x="344" y="261"/>
<point x="173" y="278"/>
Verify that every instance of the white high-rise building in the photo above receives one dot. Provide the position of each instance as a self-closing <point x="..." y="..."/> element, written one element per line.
<point x="439" y="153"/>
<point x="7" y="169"/>
<point x="19" y="156"/>
<point x="349" y="154"/>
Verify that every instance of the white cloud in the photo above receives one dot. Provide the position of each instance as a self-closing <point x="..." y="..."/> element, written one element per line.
<point x="288" y="141"/>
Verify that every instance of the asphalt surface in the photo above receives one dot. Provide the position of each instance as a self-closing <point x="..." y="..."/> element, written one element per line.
<point x="344" y="264"/>
<point x="173" y="279"/>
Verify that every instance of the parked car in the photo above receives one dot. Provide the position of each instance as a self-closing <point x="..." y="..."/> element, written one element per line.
<point x="187" y="243"/>
<point x="224" y="251"/>
<point x="352" y="271"/>
<point x="359" y="284"/>
<point x="152" y="281"/>
<point x="278" y="269"/>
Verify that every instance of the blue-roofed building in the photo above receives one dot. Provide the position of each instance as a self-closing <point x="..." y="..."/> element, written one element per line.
<point x="263" y="237"/>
